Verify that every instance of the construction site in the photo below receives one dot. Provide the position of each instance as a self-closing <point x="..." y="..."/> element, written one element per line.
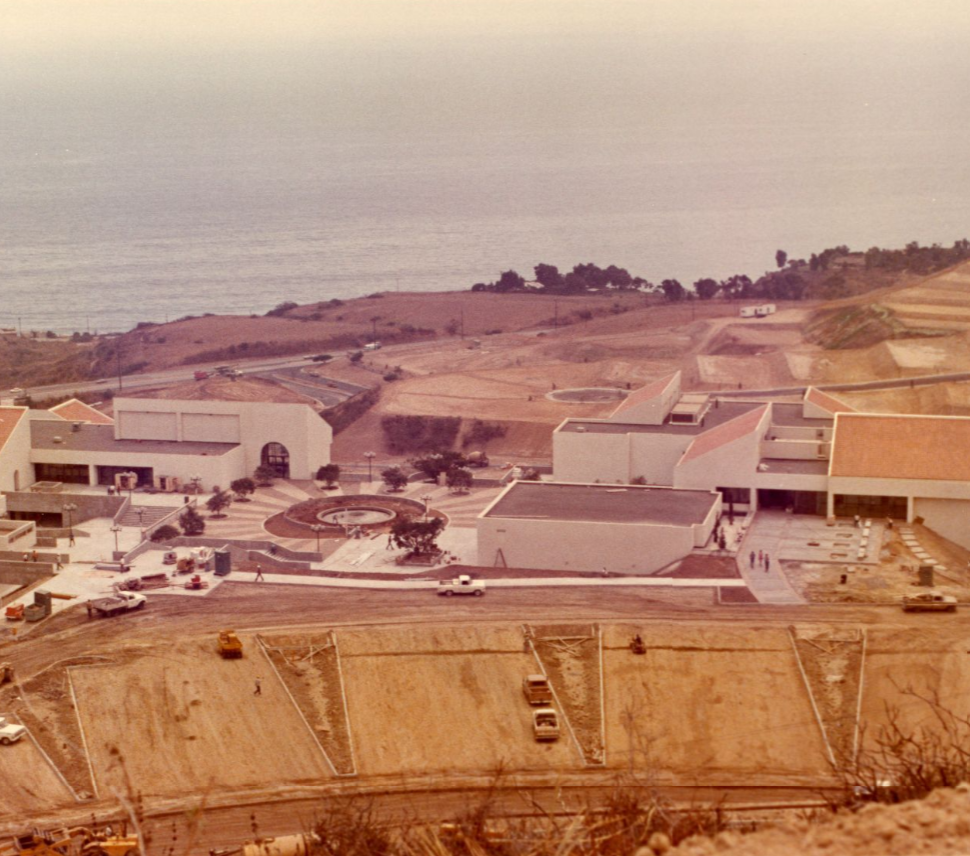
<point x="224" y="708"/>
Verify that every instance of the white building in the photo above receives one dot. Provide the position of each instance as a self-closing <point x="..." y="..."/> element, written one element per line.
<point x="218" y="441"/>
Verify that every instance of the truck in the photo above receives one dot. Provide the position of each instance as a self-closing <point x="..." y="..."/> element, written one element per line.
<point x="10" y="732"/>
<point x="463" y="584"/>
<point x="545" y="724"/>
<point x="372" y="346"/>
<point x="929" y="601"/>
<point x="537" y="690"/>
<point x="200" y="375"/>
<point x="123" y="601"/>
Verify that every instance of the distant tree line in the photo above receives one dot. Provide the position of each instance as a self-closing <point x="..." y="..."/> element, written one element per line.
<point x="788" y="282"/>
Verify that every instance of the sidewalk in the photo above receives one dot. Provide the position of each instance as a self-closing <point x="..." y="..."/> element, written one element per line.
<point x="767" y="533"/>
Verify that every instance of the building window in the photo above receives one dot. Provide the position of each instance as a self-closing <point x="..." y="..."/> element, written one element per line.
<point x="67" y="473"/>
<point x="276" y="456"/>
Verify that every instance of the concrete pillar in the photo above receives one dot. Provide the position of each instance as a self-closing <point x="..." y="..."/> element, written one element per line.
<point x="92" y="474"/>
<point x="910" y="508"/>
<point x="829" y="504"/>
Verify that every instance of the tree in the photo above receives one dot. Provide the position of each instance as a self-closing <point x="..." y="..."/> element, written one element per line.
<point x="264" y="475"/>
<point x="509" y="281"/>
<point x="217" y="502"/>
<point x="673" y="290"/>
<point x="419" y="537"/>
<point x="242" y="488"/>
<point x="459" y="480"/>
<point x="395" y="478"/>
<point x="328" y="473"/>
<point x="164" y="533"/>
<point x="780" y="258"/>
<point x="706" y="288"/>
<point x="548" y="276"/>
<point x="191" y="522"/>
<point x="435" y="464"/>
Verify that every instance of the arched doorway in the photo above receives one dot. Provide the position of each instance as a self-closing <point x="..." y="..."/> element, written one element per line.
<point x="276" y="456"/>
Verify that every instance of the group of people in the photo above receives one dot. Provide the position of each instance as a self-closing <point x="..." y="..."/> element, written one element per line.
<point x="763" y="559"/>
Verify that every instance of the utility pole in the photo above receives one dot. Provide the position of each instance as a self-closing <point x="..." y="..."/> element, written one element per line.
<point x="118" y="354"/>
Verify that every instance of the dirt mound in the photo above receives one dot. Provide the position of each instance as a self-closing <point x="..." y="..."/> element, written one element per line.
<point x="937" y="825"/>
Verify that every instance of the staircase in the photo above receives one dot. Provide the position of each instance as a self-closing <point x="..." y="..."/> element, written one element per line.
<point x="153" y="513"/>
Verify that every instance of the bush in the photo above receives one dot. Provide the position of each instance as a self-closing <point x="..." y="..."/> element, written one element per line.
<point x="242" y="488"/>
<point x="395" y="478"/>
<point x="459" y="479"/>
<point x="264" y="475"/>
<point x="328" y="473"/>
<point x="164" y="533"/>
<point x="218" y="502"/>
<point x="481" y="432"/>
<point x="356" y="356"/>
<point x="191" y="522"/>
<point x="420" y="433"/>
<point x="349" y="411"/>
<point x="281" y="309"/>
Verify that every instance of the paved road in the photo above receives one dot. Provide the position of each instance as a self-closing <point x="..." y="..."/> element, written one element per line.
<point x="897" y="383"/>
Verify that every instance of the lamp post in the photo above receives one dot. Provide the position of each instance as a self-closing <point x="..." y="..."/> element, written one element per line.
<point x="116" y="529"/>
<point x="370" y="465"/>
<point x="196" y="484"/>
<point x="318" y="528"/>
<point x="427" y="498"/>
<point x="70" y="508"/>
<point x="140" y="511"/>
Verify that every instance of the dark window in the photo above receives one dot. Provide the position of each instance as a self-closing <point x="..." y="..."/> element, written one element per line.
<point x="276" y="456"/>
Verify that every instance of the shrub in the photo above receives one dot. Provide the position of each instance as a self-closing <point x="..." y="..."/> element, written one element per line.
<point x="217" y="502"/>
<point x="281" y="309"/>
<point x="164" y="533"/>
<point x="395" y="478"/>
<point x="328" y="473"/>
<point x="420" y="433"/>
<point x="191" y="522"/>
<point x="459" y="479"/>
<point x="349" y="411"/>
<point x="481" y="432"/>
<point x="242" y="488"/>
<point x="264" y="475"/>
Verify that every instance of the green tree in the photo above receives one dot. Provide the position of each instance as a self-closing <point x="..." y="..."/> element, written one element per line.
<point x="780" y="258"/>
<point x="435" y="464"/>
<point x="264" y="475"/>
<point x="509" y="281"/>
<point x="548" y="276"/>
<point x="395" y="478"/>
<point x="242" y="488"/>
<point x="191" y="522"/>
<point x="673" y="290"/>
<point x="706" y="288"/>
<point x="419" y="537"/>
<point x="218" y="502"/>
<point x="459" y="480"/>
<point x="328" y="473"/>
<point x="164" y="533"/>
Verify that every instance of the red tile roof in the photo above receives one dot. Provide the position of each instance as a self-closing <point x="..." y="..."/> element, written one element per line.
<point x="726" y="433"/>
<point x="826" y="401"/>
<point x="644" y="394"/>
<point x="78" y="411"/>
<point x="9" y="419"/>
<point x="901" y="447"/>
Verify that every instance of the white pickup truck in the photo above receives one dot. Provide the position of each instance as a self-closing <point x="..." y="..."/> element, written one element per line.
<point x="10" y="733"/>
<point x="461" y="585"/>
<point x="124" y="601"/>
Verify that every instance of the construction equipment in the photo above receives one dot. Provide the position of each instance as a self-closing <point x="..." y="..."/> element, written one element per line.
<point x="637" y="646"/>
<point x="15" y="612"/>
<point x="229" y="646"/>
<point x="40" y="608"/>
<point x="545" y="724"/>
<point x="6" y="673"/>
<point x="38" y="842"/>
<point x="170" y="557"/>
<point x="196" y="583"/>
<point x="79" y="841"/>
<point x="282" y="845"/>
<point x="536" y="689"/>
<point x="123" y="601"/>
<point x="185" y="565"/>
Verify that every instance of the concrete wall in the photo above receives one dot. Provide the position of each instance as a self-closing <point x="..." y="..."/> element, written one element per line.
<point x="733" y="464"/>
<point x="590" y="457"/>
<point x="947" y="517"/>
<point x="16" y="473"/>
<point x="89" y="505"/>
<point x="24" y="573"/>
<point x="654" y="411"/>
<point x="639" y="548"/>
<point x="298" y="427"/>
<point x="17" y="535"/>
<point x="796" y="432"/>
<point x="654" y="456"/>
<point x="795" y="450"/>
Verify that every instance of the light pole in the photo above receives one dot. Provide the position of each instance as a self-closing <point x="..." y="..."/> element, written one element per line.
<point x="140" y="511"/>
<point x="116" y="529"/>
<point x="370" y="465"/>
<point x="427" y="498"/>
<point x="70" y="508"/>
<point x="318" y="528"/>
<point x="196" y="484"/>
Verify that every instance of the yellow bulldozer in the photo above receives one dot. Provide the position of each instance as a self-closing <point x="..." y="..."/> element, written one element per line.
<point x="229" y="645"/>
<point x="79" y="841"/>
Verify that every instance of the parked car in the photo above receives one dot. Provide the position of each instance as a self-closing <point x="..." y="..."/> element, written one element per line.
<point x="929" y="601"/>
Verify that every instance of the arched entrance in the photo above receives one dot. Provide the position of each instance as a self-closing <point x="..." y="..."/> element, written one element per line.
<point x="275" y="456"/>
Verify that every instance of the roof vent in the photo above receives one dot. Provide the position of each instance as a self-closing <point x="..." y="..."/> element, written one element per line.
<point x="580" y="429"/>
<point x="58" y="438"/>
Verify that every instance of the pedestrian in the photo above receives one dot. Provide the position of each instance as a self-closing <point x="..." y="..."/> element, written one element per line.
<point x="33" y="556"/>
<point x="857" y="521"/>
<point x="259" y="574"/>
<point x="767" y="563"/>
<point x="889" y="523"/>
<point x="26" y="557"/>
<point x="259" y="687"/>
<point x="761" y="558"/>
<point x="752" y="560"/>
<point x="70" y="539"/>
<point x="390" y="542"/>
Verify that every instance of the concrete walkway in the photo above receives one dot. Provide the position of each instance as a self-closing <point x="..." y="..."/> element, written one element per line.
<point x="767" y="533"/>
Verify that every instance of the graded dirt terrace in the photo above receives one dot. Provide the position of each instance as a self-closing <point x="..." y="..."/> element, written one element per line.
<point x="434" y="698"/>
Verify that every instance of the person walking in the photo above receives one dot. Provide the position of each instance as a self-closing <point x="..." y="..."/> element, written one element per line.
<point x="752" y="560"/>
<point x="767" y="563"/>
<point x="259" y="574"/>
<point x="761" y="558"/>
<point x="259" y="687"/>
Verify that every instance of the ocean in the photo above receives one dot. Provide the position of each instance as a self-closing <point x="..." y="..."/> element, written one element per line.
<point x="123" y="203"/>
